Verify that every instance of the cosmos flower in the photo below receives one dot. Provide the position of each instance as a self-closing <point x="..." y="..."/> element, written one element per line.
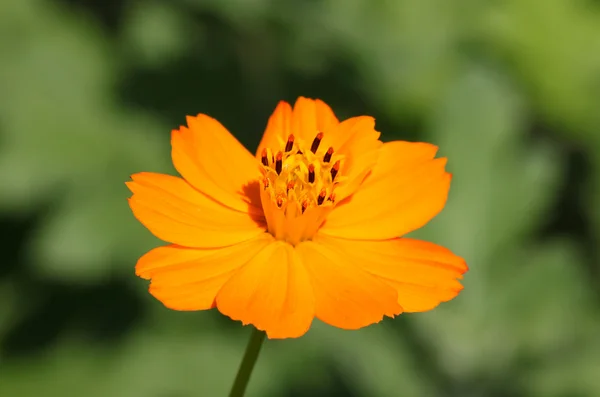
<point x="309" y="227"/>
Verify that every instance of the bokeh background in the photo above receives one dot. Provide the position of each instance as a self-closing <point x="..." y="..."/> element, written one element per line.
<point x="509" y="89"/>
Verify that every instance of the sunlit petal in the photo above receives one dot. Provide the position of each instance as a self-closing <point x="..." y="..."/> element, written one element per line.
<point x="272" y="291"/>
<point x="346" y="296"/>
<point x="189" y="278"/>
<point x="424" y="274"/>
<point x="177" y="213"/>
<point x="405" y="190"/>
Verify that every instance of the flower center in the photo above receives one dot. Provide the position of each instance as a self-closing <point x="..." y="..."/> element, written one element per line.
<point x="297" y="189"/>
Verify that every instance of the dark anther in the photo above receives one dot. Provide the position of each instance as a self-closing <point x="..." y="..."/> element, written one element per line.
<point x="304" y="206"/>
<point x="290" y="143"/>
<point x="263" y="157"/>
<point x="335" y="169"/>
<point x="328" y="155"/>
<point x="278" y="163"/>
<point x="316" y="142"/>
<point x="311" y="173"/>
<point x="321" y="197"/>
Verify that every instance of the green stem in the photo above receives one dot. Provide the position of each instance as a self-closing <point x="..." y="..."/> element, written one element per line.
<point x="243" y="376"/>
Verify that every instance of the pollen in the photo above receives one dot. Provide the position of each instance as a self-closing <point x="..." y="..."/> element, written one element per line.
<point x="298" y="183"/>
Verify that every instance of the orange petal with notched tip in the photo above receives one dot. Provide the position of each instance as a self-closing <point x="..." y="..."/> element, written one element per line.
<point x="304" y="121"/>
<point x="272" y="291"/>
<point x="423" y="273"/>
<point x="346" y="296"/>
<point x="189" y="278"/>
<point x="214" y="162"/>
<point x="310" y="117"/>
<point x="405" y="190"/>
<point x="307" y="118"/>
<point x="177" y="213"/>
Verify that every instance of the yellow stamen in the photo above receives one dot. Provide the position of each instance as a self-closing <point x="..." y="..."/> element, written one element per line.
<point x="298" y="187"/>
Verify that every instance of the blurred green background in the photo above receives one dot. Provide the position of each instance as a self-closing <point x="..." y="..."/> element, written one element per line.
<point x="509" y="89"/>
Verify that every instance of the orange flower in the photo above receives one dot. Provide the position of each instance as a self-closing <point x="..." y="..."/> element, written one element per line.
<point x="307" y="228"/>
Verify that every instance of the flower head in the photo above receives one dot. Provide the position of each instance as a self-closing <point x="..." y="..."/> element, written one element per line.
<point x="309" y="227"/>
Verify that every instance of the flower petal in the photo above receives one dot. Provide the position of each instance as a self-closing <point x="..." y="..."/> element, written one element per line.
<point x="305" y="120"/>
<point x="346" y="296"/>
<point x="357" y="140"/>
<point x="423" y="273"/>
<point x="175" y="212"/>
<point x="189" y="278"/>
<point x="311" y="117"/>
<point x="272" y="292"/>
<point x="405" y="190"/>
<point x="278" y="128"/>
<point x="214" y="162"/>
